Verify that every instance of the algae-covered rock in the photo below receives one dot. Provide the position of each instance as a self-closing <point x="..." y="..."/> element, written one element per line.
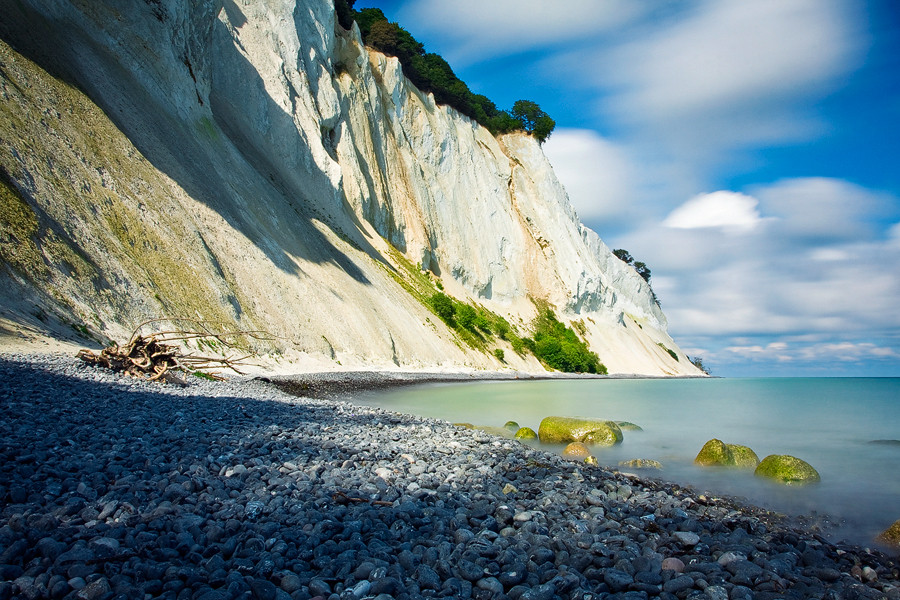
<point x="591" y="460"/>
<point x="607" y="435"/>
<point x="890" y="536"/>
<point x="786" y="469"/>
<point x="576" y="450"/>
<point x="641" y="463"/>
<point x="560" y="430"/>
<point x="526" y="433"/>
<point x="744" y="456"/>
<point x="464" y="425"/>
<point x="715" y="452"/>
<point x="512" y="426"/>
<point x="628" y="426"/>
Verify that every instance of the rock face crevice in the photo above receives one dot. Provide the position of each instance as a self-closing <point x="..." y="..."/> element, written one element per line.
<point x="253" y="164"/>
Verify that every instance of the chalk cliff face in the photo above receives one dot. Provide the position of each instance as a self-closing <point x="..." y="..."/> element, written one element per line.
<point x="251" y="164"/>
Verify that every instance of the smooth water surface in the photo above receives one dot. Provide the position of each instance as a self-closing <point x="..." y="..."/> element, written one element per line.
<point x="828" y="422"/>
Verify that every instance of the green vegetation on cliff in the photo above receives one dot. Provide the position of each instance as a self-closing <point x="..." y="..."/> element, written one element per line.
<point x="560" y="348"/>
<point x="431" y="73"/>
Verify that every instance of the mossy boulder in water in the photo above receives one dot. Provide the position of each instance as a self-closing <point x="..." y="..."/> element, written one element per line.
<point x="715" y="453"/>
<point x="561" y="430"/>
<point x="641" y="463"/>
<point x="609" y="435"/>
<point x="744" y="456"/>
<point x="787" y="469"/>
<point x="526" y="433"/>
<point x="576" y="450"/>
<point x="890" y="536"/>
<point x="512" y="426"/>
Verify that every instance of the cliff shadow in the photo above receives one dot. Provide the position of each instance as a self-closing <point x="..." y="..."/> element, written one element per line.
<point x="232" y="176"/>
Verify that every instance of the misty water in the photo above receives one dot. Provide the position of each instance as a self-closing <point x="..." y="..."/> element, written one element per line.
<point x="829" y="422"/>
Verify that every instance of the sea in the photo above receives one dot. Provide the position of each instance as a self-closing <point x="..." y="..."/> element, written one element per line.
<point x="848" y="429"/>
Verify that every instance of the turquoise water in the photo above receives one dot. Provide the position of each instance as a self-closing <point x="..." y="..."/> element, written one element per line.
<point x="828" y="422"/>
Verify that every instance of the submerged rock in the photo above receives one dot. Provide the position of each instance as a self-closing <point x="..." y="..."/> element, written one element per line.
<point x="628" y="426"/>
<point x="525" y="433"/>
<point x="511" y="426"/>
<point x="890" y="536"/>
<point x="591" y="460"/>
<point x="560" y="430"/>
<point x="787" y="469"/>
<point x="576" y="450"/>
<point x="498" y="431"/>
<point x="641" y="463"/>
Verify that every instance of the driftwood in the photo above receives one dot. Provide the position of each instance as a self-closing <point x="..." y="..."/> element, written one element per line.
<point x="157" y="356"/>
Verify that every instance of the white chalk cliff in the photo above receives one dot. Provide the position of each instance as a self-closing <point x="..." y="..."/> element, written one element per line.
<point x="251" y="164"/>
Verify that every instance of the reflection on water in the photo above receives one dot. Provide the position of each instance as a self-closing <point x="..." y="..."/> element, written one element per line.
<point x="828" y="422"/>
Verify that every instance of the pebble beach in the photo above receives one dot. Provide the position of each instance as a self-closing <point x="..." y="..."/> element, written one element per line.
<point x="112" y="487"/>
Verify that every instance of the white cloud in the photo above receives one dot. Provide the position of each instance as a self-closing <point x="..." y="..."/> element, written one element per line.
<point x="714" y="80"/>
<point x="813" y="353"/>
<point x="777" y="279"/>
<point x="718" y="209"/>
<point x="477" y="29"/>
<point x="596" y="173"/>
<point x="823" y="209"/>
<point x="735" y="54"/>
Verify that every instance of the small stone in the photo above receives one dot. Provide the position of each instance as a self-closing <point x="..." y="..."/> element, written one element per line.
<point x="673" y="564"/>
<point x="490" y="584"/>
<point x="678" y="584"/>
<point x="729" y="557"/>
<point x="687" y="538"/>
<point x="716" y="592"/>
<point x="318" y="587"/>
<point x="361" y="589"/>
<point x="617" y="580"/>
<point x="510" y="489"/>
<point x="523" y="517"/>
<point x="290" y="583"/>
<point x="869" y="574"/>
<point x="77" y="583"/>
<point x="427" y="577"/>
<point x="544" y="591"/>
<point x="94" y="590"/>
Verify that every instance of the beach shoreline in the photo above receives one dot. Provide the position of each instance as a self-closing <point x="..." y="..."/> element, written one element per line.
<point x="239" y="489"/>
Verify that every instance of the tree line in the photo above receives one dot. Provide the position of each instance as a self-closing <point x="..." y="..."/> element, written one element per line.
<point x="431" y="73"/>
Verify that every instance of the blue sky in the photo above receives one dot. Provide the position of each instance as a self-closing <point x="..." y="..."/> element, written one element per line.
<point x="748" y="152"/>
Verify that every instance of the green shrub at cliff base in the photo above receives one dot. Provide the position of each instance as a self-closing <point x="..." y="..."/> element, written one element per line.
<point x="561" y="430"/>
<point x="787" y="469"/>
<point x="560" y="348"/>
<point x="443" y="307"/>
<point x="526" y="433"/>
